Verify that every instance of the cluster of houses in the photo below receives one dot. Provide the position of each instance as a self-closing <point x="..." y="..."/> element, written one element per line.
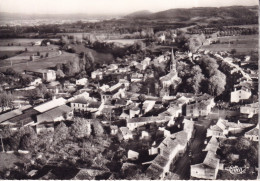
<point x="223" y="129"/>
<point x="138" y="113"/>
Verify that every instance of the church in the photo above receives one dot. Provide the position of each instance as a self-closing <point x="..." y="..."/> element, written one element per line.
<point x="171" y="79"/>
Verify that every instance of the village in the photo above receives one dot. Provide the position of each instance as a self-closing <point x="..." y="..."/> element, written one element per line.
<point x="122" y="90"/>
<point x="156" y="134"/>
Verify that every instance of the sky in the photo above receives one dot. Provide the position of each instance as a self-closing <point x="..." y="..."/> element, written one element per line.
<point x="109" y="6"/>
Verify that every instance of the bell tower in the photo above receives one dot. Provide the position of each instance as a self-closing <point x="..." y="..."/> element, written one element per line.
<point x="173" y="62"/>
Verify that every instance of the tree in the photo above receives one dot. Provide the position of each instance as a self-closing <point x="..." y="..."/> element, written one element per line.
<point x="25" y="80"/>
<point x="97" y="128"/>
<point x="10" y="71"/>
<point x="28" y="139"/>
<point x="80" y="128"/>
<point x="233" y="51"/>
<point x="243" y="144"/>
<point x="61" y="133"/>
<point x="6" y="100"/>
<point x="217" y="84"/>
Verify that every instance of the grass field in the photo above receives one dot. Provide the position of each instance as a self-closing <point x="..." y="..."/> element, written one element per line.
<point x="123" y="41"/>
<point x="19" y="41"/>
<point x="99" y="57"/>
<point x="21" y="65"/>
<point x="242" y="44"/>
<point x="29" y="48"/>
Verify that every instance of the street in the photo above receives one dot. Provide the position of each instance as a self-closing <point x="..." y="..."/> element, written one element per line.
<point x="182" y="165"/>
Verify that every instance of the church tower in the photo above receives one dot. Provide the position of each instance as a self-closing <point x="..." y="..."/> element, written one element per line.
<point x="173" y="62"/>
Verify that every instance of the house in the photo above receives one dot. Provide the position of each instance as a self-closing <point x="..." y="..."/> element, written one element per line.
<point x="132" y="155"/>
<point x="201" y="106"/>
<point x="208" y="169"/>
<point x="162" y="38"/>
<point x="137" y="77"/>
<point x="140" y="121"/>
<point x="169" y="151"/>
<point x="60" y="113"/>
<point x="148" y="105"/>
<point x="113" y="130"/>
<point x="253" y="134"/>
<point x="224" y="128"/>
<point x="45" y="127"/>
<point x="98" y="74"/>
<point x="46" y="74"/>
<point x="126" y="133"/>
<point x="18" y="118"/>
<point x="106" y="96"/>
<point x="82" y="81"/>
<point x="83" y="102"/>
<point x="112" y="67"/>
<point x="36" y="81"/>
<point x="250" y="109"/>
<point x="38" y="43"/>
<point x="144" y="134"/>
<point x="172" y="112"/>
<point x="134" y="111"/>
<point x="212" y="145"/>
<point x="89" y="174"/>
<point x="240" y="94"/>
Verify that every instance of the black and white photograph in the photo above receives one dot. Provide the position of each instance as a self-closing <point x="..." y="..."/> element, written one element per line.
<point x="129" y="90"/>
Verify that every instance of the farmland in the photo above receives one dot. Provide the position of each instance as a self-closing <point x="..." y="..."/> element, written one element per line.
<point x="123" y="41"/>
<point x="22" y="65"/>
<point x="242" y="44"/>
<point x="19" y="41"/>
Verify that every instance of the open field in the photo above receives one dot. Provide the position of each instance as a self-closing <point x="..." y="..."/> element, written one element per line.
<point x="41" y="63"/>
<point x="19" y="41"/>
<point x="29" y="48"/>
<point x="242" y="44"/>
<point x="244" y="26"/>
<point x="123" y="41"/>
<point x="102" y="58"/>
<point x="25" y="57"/>
<point x="8" y="53"/>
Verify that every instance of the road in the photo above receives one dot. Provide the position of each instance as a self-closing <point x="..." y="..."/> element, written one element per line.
<point x="182" y="165"/>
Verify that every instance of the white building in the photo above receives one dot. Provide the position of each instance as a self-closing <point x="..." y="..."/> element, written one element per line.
<point x="250" y="109"/>
<point x="240" y="94"/>
<point x="82" y="81"/>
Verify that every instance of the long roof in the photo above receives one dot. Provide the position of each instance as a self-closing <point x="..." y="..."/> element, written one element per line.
<point x="54" y="113"/>
<point x="50" y="105"/>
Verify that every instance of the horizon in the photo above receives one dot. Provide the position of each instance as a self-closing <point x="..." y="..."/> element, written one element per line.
<point x="117" y="7"/>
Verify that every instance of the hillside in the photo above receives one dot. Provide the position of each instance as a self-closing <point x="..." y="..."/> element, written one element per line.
<point x="243" y="13"/>
<point x="138" y="14"/>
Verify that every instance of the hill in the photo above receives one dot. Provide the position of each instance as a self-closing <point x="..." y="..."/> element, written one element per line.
<point x="138" y="14"/>
<point x="243" y="13"/>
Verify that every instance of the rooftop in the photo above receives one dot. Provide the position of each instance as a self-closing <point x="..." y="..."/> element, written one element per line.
<point x="50" y="104"/>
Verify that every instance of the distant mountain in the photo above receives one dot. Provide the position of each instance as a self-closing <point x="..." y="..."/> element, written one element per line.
<point x="17" y="16"/>
<point x="138" y="14"/>
<point x="235" y="12"/>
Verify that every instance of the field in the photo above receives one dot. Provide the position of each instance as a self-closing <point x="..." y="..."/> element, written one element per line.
<point x="19" y="41"/>
<point x="102" y="58"/>
<point x="242" y="44"/>
<point x="20" y="65"/>
<point x="123" y="41"/>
